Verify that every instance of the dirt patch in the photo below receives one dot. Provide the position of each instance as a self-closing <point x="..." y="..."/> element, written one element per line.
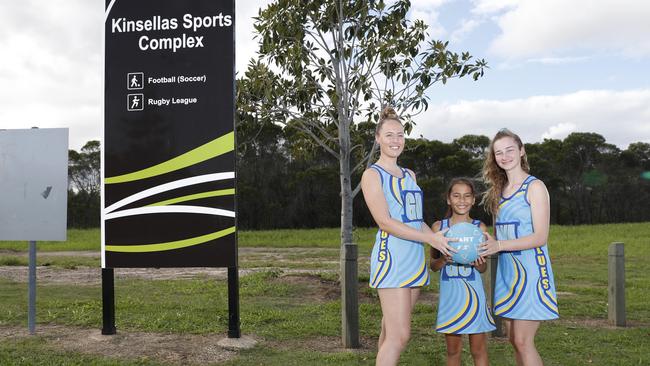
<point x="318" y="289"/>
<point x="93" y="276"/>
<point x="565" y="293"/>
<point x="428" y="297"/>
<point x="278" y="257"/>
<point x="324" y="344"/>
<point x="177" y="349"/>
<point x="600" y="323"/>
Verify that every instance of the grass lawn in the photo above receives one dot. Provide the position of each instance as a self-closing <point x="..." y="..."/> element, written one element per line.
<point x="296" y="318"/>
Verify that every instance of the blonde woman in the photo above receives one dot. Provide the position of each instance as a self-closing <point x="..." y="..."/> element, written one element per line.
<point x="398" y="264"/>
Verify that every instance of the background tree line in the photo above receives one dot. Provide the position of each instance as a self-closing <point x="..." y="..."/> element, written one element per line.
<point x="285" y="181"/>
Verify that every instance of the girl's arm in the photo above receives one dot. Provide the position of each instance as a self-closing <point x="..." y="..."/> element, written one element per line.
<point x="436" y="260"/>
<point x="540" y="210"/>
<point x="376" y="202"/>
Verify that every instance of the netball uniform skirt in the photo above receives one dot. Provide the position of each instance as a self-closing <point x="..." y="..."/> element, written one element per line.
<point x="395" y="263"/>
<point x="462" y="307"/>
<point x="525" y="285"/>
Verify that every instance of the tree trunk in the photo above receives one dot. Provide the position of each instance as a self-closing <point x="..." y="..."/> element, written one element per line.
<point x="349" y="252"/>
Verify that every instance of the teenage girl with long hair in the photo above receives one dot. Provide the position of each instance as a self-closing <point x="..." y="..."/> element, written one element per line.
<point x="524" y="291"/>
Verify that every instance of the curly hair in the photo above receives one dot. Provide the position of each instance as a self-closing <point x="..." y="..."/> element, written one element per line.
<point x="494" y="177"/>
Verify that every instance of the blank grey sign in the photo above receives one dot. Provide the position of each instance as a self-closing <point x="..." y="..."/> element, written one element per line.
<point x="33" y="184"/>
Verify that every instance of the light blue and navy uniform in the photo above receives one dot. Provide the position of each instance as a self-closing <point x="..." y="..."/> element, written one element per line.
<point x="525" y="288"/>
<point x="462" y="308"/>
<point x="397" y="262"/>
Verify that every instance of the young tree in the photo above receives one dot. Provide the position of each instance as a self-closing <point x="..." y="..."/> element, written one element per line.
<point x="83" y="168"/>
<point x="83" y="186"/>
<point x="333" y="63"/>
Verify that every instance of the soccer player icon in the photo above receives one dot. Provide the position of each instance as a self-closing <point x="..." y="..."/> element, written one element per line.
<point x="135" y="102"/>
<point x="134" y="82"/>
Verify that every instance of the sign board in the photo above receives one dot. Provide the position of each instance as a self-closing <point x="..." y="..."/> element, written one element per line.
<point x="33" y="184"/>
<point x="168" y="157"/>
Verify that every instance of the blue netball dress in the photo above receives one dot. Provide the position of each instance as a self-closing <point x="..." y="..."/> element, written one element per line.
<point x="462" y="308"/>
<point x="396" y="262"/>
<point x="524" y="288"/>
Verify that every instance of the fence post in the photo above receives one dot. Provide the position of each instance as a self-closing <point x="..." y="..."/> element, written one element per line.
<point x="349" y="295"/>
<point x="616" y="286"/>
<point x="491" y="275"/>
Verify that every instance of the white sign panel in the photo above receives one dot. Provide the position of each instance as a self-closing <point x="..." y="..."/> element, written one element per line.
<point x="33" y="184"/>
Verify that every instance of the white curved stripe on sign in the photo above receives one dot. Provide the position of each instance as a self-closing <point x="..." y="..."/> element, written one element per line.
<point x="170" y="209"/>
<point x="108" y="10"/>
<point x="168" y="187"/>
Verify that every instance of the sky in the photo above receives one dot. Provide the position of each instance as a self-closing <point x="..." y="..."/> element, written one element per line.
<point x="556" y="67"/>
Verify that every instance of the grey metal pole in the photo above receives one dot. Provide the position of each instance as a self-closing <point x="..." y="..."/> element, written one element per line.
<point x="616" y="286"/>
<point x="31" y="307"/>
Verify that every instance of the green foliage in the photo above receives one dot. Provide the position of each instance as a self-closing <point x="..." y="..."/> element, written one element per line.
<point x="84" y="190"/>
<point x="337" y="61"/>
<point x="589" y="181"/>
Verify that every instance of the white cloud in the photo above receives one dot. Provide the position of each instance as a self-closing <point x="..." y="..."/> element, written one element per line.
<point x="466" y="27"/>
<point x="51" y="68"/>
<point x="428" y="12"/>
<point x="486" y="7"/>
<point x="558" y="60"/>
<point x="245" y="10"/>
<point x="51" y="73"/>
<point x="621" y="117"/>
<point x="559" y="131"/>
<point x="557" y="27"/>
<point x="430" y="18"/>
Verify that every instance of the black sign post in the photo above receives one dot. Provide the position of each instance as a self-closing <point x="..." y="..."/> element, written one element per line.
<point x="168" y="155"/>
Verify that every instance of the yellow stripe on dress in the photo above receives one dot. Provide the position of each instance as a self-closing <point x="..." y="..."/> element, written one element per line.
<point x="488" y="313"/>
<point x="514" y="300"/>
<point x="544" y="299"/>
<point x="424" y="279"/>
<point x="511" y="198"/>
<point x="512" y="285"/>
<point x="395" y="189"/>
<point x="473" y="312"/>
<point x="417" y="274"/>
<point x="384" y="271"/>
<point x="383" y="235"/>
<point x="460" y="313"/>
<point x="551" y="295"/>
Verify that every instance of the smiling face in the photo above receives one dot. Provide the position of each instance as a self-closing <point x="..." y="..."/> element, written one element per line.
<point x="461" y="199"/>
<point x="507" y="153"/>
<point x="391" y="138"/>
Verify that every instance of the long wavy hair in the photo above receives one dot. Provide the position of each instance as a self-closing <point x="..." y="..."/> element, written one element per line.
<point x="465" y="181"/>
<point x="494" y="177"/>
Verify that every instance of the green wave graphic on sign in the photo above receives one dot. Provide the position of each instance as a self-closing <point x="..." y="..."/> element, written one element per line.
<point x="221" y="192"/>
<point x="214" y="148"/>
<point x="159" y="247"/>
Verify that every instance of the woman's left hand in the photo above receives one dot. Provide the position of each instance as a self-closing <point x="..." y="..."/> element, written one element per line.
<point x="489" y="246"/>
